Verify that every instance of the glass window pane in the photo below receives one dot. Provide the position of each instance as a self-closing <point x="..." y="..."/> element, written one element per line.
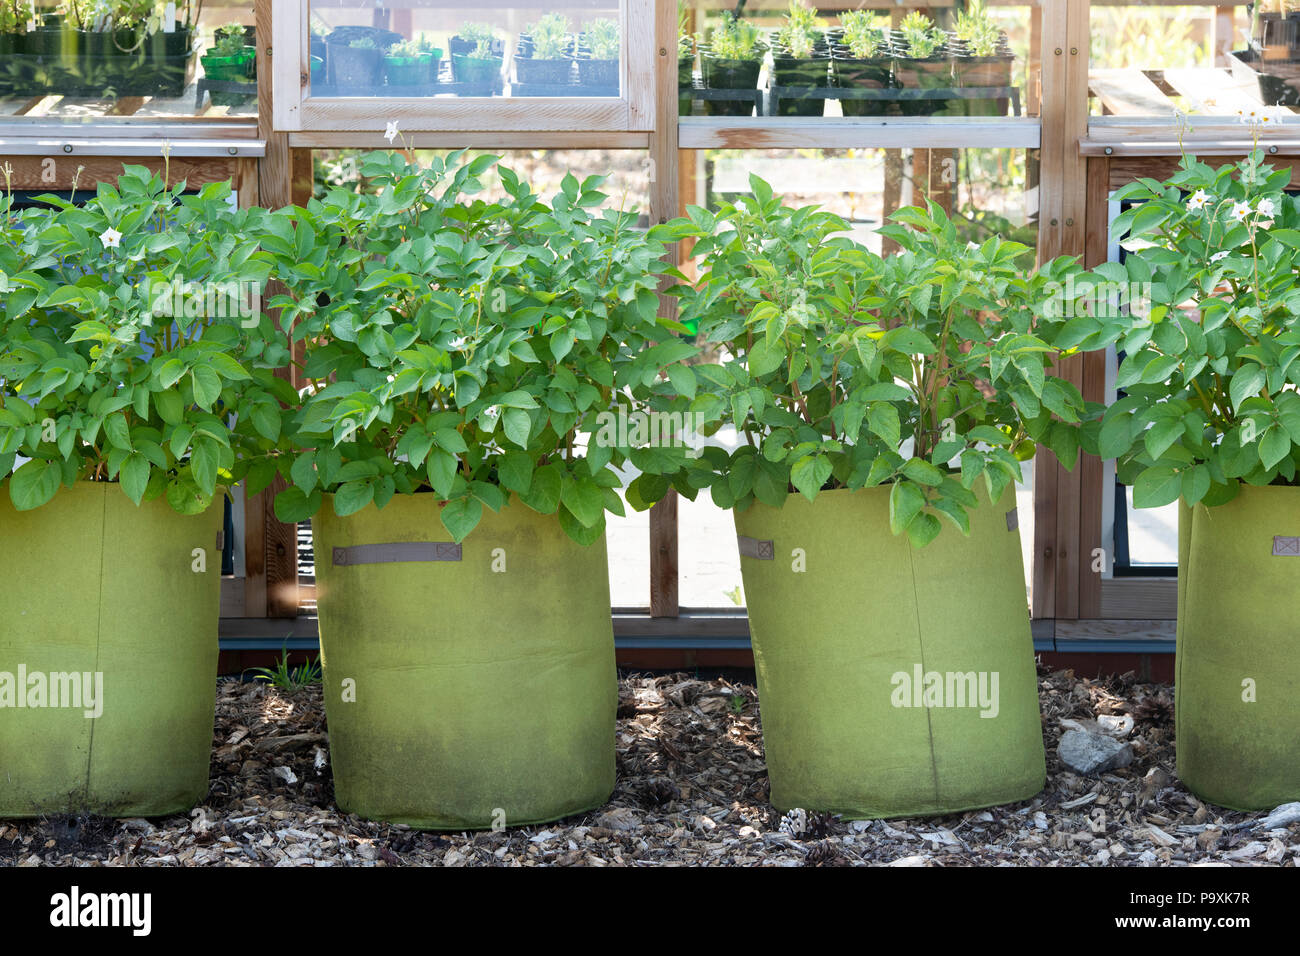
<point x="1152" y="61"/>
<point x="935" y="60"/>
<point x="77" y="64"/>
<point x="419" y="49"/>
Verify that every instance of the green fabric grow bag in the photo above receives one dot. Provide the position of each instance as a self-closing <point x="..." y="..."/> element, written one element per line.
<point x="482" y="697"/>
<point x="91" y="583"/>
<point x="1239" y="574"/>
<point x="829" y="642"/>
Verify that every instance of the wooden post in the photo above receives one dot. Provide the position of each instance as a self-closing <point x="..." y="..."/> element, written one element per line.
<point x="1061" y="231"/>
<point x="1221" y="36"/>
<point x="278" y="576"/>
<point x="663" y="206"/>
<point x="1090" y="467"/>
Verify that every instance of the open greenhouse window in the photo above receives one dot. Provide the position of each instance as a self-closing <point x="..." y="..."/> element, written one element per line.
<point x="991" y="192"/>
<point x="1152" y="62"/>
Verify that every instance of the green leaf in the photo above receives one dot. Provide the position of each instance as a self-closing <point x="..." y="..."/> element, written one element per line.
<point x="1247" y="381"/>
<point x="905" y="502"/>
<point x="1157" y="487"/>
<point x="809" y="474"/>
<point x="352" y="496"/>
<point x="441" y="467"/>
<point x="923" y="530"/>
<point x="207" y="386"/>
<point x="543" y="494"/>
<point x="517" y="425"/>
<point x="1274" y="445"/>
<point x="34" y="483"/>
<point x="923" y="473"/>
<point x="461" y="516"/>
<point x="515" y="469"/>
<point x="584" y="499"/>
<point x="134" y="475"/>
<point x="293" y="505"/>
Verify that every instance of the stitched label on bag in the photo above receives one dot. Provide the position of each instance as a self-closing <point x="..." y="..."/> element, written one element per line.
<point x="1284" y="546"/>
<point x="1013" y="520"/>
<point x="396" y="552"/>
<point x="754" y="548"/>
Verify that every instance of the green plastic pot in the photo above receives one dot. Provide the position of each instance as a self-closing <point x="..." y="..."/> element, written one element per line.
<point x="408" y="71"/>
<point x="476" y="71"/>
<point x="838" y="647"/>
<point x="1236" y="625"/>
<point x="228" y="69"/>
<point x="459" y="696"/>
<point x="99" y="585"/>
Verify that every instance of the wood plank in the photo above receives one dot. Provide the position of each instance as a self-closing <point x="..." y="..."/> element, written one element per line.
<point x="1223" y="35"/>
<point x="1128" y="93"/>
<point x="232" y="596"/>
<point x="275" y="190"/>
<point x="1215" y="92"/>
<point x="121" y="147"/>
<point x="1043" y="587"/>
<point x="56" y="171"/>
<point x="786" y="132"/>
<point x="18" y="106"/>
<point x="1091" y="469"/>
<point x="474" y="140"/>
<point x="1147" y="599"/>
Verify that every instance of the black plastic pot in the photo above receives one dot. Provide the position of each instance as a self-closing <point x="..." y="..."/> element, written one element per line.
<point x="971" y="72"/>
<point x="729" y="75"/>
<point x="811" y="73"/>
<point x="931" y="73"/>
<point x="543" y="72"/>
<point x="872" y="73"/>
<point x="685" y="83"/>
<point x="353" y="68"/>
<point x="602" y="73"/>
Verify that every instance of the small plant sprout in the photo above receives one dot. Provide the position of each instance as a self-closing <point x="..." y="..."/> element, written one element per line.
<point x="481" y="35"/>
<point x="229" y="40"/>
<point x="551" y="38"/>
<point x="921" y="38"/>
<point x="289" y="679"/>
<point x="407" y="48"/>
<point x="977" y="29"/>
<point x="602" y="39"/>
<point x="801" y="29"/>
<point x="736" y="40"/>
<point x="862" y="33"/>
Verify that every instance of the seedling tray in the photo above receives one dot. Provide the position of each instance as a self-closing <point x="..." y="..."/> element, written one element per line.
<point x="779" y="93"/>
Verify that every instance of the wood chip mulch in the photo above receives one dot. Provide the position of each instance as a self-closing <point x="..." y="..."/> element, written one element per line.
<point x="692" y="790"/>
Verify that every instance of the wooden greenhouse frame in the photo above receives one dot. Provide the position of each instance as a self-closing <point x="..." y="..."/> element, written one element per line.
<point x="1082" y="160"/>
